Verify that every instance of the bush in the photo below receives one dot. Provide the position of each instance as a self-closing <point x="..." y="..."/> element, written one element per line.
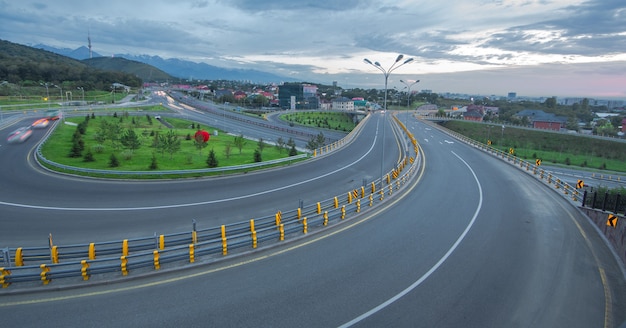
<point x="257" y="156"/>
<point x="154" y="165"/>
<point x="98" y="149"/>
<point x="113" y="161"/>
<point x="89" y="157"/>
<point x="127" y="155"/>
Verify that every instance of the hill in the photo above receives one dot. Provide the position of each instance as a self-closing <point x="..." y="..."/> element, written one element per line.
<point x="143" y="71"/>
<point x="28" y="66"/>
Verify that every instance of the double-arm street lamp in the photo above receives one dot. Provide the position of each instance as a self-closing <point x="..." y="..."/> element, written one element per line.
<point x="386" y="73"/>
<point x="47" y="92"/>
<point x="408" y="86"/>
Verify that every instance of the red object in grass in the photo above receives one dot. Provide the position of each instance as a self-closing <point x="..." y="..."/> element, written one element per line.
<point x="205" y="135"/>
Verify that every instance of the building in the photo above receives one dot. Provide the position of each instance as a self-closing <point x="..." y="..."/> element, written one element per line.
<point x="541" y="120"/>
<point x="343" y="103"/>
<point x="298" y="96"/>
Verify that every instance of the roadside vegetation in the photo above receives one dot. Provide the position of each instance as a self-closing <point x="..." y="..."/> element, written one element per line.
<point x="120" y="141"/>
<point x="553" y="148"/>
<point x="323" y="120"/>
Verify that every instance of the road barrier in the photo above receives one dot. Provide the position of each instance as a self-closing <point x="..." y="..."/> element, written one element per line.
<point x="123" y="257"/>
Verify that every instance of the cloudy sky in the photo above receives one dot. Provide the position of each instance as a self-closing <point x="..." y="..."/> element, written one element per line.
<point x="559" y="48"/>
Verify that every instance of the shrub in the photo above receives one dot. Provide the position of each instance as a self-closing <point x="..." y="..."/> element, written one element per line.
<point x="113" y="161"/>
<point x="89" y="157"/>
<point x="98" y="149"/>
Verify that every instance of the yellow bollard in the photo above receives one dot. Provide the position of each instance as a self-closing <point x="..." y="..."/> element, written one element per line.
<point x="124" y="265"/>
<point x="373" y="187"/>
<point x="54" y="253"/>
<point x="252" y="225"/>
<point x="382" y="195"/>
<point x="254" y="241"/>
<point x="155" y="257"/>
<point x="390" y="189"/>
<point x="19" y="258"/>
<point x="299" y="213"/>
<point x="224" y="241"/>
<point x="358" y="205"/>
<point x="343" y="212"/>
<point x="319" y="208"/>
<point x="336" y="202"/>
<point x="4" y="273"/>
<point x="349" y="197"/>
<point x="194" y="237"/>
<point x="325" y="217"/>
<point x="278" y="218"/>
<point x="281" y="229"/>
<point x="304" y="225"/>
<point x="192" y="253"/>
<point x="371" y="199"/>
<point x="44" y="274"/>
<point x="125" y="247"/>
<point x="92" y="251"/>
<point x="362" y="192"/>
<point x="162" y="242"/>
<point x="84" y="269"/>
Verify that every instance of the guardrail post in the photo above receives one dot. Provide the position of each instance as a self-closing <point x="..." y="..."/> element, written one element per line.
<point x="4" y="273"/>
<point x="19" y="257"/>
<point x="281" y="230"/>
<point x="606" y="197"/>
<point x="84" y="269"/>
<point x="124" y="265"/>
<point x="362" y="192"/>
<point x="304" y="226"/>
<point x="44" y="274"/>
<point x="358" y="205"/>
<point x="155" y="256"/>
<point x="584" y="198"/>
<point x="371" y="199"/>
<point x="194" y="233"/>
<point x="336" y="202"/>
<point x="92" y="251"/>
<point x="161" y="242"/>
<point x="125" y="247"/>
<point x="319" y="208"/>
<point x="349" y="197"/>
<point x="278" y="218"/>
<point x="253" y="233"/>
<point x="325" y="218"/>
<point x="373" y="187"/>
<point x="224" y="241"/>
<point x="617" y="203"/>
<point x="192" y="253"/>
<point x="6" y="256"/>
<point x="54" y="253"/>
<point x="343" y="211"/>
<point x="382" y="194"/>
<point x="299" y="213"/>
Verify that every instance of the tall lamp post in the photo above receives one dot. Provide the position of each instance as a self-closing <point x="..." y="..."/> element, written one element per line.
<point x="408" y="94"/>
<point x="60" y="92"/>
<point x="386" y="73"/>
<point x="47" y="93"/>
<point x="83" y="91"/>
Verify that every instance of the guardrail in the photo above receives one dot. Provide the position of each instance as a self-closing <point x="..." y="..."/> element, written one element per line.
<point x="82" y="261"/>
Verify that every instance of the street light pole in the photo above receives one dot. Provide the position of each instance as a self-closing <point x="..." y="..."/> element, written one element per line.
<point x="47" y="93"/>
<point x="386" y="73"/>
<point x="408" y="95"/>
<point x="83" y="91"/>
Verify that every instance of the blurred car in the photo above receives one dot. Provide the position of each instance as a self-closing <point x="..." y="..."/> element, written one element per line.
<point x="53" y="114"/>
<point x="40" y="123"/>
<point x="20" y="135"/>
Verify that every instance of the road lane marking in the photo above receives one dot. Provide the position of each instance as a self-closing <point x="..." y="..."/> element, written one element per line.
<point x="435" y="267"/>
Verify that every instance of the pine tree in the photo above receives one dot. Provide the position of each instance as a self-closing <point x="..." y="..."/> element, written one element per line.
<point x="212" y="160"/>
<point x="113" y="161"/>
<point x="154" y="165"/>
<point x="257" y="156"/>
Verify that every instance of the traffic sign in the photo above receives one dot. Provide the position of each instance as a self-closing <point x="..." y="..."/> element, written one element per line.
<point x="612" y="220"/>
<point x="489" y="142"/>
<point x="538" y="161"/>
<point x="580" y="184"/>
<point x="511" y="151"/>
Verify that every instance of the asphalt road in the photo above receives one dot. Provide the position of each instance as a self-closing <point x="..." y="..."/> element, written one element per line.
<point x="475" y="243"/>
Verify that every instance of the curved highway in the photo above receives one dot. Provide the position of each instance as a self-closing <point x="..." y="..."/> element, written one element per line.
<point x="475" y="243"/>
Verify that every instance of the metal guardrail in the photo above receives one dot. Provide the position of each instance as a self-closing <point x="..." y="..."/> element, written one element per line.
<point x="44" y="264"/>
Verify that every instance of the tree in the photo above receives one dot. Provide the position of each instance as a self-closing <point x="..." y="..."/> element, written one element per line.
<point x="257" y="156"/>
<point x="130" y="140"/>
<point x="293" y="151"/>
<point x="113" y="161"/>
<point x="550" y="102"/>
<point x="211" y="159"/>
<point x="76" y="150"/>
<point x="239" y="142"/>
<point x="320" y="140"/>
<point x="88" y="157"/>
<point x="261" y="145"/>
<point x="280" y="144"/>
<point x="228" y="149"/>
<point x="170" y="143"/>
<point x="154" y="164"/>
<point x="199" y="142"/>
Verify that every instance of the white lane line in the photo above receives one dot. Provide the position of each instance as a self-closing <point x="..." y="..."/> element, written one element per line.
<point x="143" y="208"/>
<point x="434" y="268"/>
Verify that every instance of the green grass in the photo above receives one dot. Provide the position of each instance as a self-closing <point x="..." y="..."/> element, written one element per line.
<point x="324" y="120"/>
<point x="58" y="146"/>
<point x="550" y="147"/>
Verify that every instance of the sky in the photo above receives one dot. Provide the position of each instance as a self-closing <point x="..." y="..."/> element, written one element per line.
<point x="563" y="48"/>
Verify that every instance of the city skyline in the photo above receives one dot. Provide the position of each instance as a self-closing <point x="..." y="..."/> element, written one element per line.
<point x="536" y="48"/>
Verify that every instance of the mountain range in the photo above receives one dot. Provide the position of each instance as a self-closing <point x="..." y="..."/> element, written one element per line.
<point x="182" y="69"/>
